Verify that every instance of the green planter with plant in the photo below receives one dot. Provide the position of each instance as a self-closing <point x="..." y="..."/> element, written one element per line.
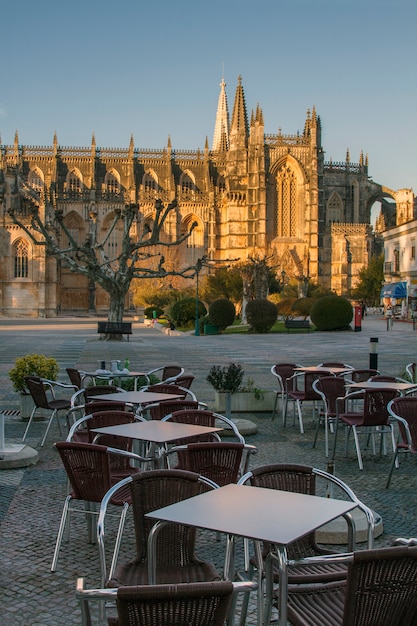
<point x="232" y="393"/>
<point x="31" y="365"/>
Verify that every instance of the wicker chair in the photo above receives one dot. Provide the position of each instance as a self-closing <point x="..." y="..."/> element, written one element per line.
<point x="411" y="370"/>
<point x="360" y="376"/>
<point x="282" y="371"/>
<point x="330" y="388"/>
<point x="167" y="387"/>
<point x="372" y="419"/>
<point x="306" y="394"/>
<point x="166" y="373"/>
<point x="185" y="381"/>
<point x="381" y="589"/>
<point x="176" y="558"/>
<point x="78" y="430"/>
<point x="43" y="396"/>
<point x="89" y="470"/>
<point x="194" y="604"/>
<point x="404" y="412"/>
<point x="158" y="410"/>
<point x="304" y="479"/>
<point x="335" y="364"/>
<point x="203" y="417"/>
<point x="223" y="462"/>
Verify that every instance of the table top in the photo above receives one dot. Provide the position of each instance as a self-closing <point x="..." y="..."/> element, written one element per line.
<point x="370" y="384"/>
<point x="138" y="397"/>
<point x="279" y="517"/>
<point x="108" y="374"/>
<point x="156" y="431"/>
<point x="317" y="368"/>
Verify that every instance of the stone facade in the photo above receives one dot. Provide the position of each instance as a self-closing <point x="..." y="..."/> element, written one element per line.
<point x="250" y="194"/>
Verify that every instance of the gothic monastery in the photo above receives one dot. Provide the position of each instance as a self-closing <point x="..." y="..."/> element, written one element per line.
<point x="251" y="194"/>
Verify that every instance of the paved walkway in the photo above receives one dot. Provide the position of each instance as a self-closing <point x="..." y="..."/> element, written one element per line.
<point x="31" y="499"/>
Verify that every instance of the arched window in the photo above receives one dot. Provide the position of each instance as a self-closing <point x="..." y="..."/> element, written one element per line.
<point x="21" y="259"/>
<point x="112" y="183"/>
<point x="35" y="180"/>
<point x="149" y="182"/>
<point x="187" y="184"/>
<point x="195" y="242"/>
<point x="334" y="211"/>
<point x="76" y="230"/>
<point x="74" y="182"/>
<point x="287" y="208"/>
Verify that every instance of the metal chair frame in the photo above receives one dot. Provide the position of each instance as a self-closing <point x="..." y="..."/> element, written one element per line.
<point x="407" y="428"/>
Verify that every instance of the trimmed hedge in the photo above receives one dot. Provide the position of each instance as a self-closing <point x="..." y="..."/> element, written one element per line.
<point x="222" y="313"/>
<point x="183" y="311"/>
<point x="261" y="315"/>
<point x="332" y="313"/>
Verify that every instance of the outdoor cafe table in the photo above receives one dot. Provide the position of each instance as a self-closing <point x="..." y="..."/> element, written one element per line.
<point x="257" y="513"/>
<point x="321" y="368"/>
<point x="370" y="384"/>
<point x="156" y="432"/>
<point x="138" y="397"/>
<point x="107" y="375"/>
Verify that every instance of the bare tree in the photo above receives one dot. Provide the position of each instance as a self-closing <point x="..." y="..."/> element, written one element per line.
<point x="138" y="257"/>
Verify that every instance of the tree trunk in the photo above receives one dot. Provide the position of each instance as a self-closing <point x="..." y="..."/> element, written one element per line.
<point x="115" y="314"/>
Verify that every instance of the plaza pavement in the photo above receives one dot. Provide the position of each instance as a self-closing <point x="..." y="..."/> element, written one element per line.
<point x="31" y="498"/>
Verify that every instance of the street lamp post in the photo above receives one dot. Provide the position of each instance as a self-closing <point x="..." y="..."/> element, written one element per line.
<point x="198" y="267"/>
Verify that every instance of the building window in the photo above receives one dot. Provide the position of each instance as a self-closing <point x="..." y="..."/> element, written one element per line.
<point x="21" y="259"/>
<point x="396" y="260"/>
<point x="287" y="202"/>
<point x="112" y="184"/>
<point x="413" y="251"/>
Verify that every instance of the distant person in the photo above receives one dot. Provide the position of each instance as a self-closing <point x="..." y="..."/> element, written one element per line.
<point x="363" y="309"/>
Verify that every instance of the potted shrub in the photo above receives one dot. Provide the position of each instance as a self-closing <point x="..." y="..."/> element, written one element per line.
<point x="232" y="393"/>
<point x="31" y="365"/>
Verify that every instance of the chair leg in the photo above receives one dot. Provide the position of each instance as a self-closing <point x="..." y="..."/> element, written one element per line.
<point x="32" y="415"/>
<point x="317" y="432"/>
<point x="393" y="464"/>
<point x="48" y="427"/>
<point x="118" y="539"/>
<point x="358" y="449"/>
<point x="60" y="533"/>
<point x="300" y="417"/>
<point x="274" y="410"/>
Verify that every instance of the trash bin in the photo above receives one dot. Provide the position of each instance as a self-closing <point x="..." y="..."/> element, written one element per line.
<point x="211" y="329"/>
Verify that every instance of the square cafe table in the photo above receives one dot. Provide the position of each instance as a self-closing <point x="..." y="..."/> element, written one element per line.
<point x="278" y="517"/>
<point x="377" y="384"/>
<point x="156" y="432"/>
<point x="138" y="397"/>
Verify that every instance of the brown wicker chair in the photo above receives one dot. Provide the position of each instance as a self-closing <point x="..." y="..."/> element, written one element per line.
<point x="194" y="604"/>
<point x="159" y="410"/>
<point x="166" y="373"/>
<point x="372" y="419"/>
<point x="43" y="396"/>
<point x="165" y="387"/>
<point x="404" y="412"/>
<point x="185" y="381"/>
<point x="203" y="418"/>
<point x="282" y="372"/>
<point x="304" y="479"/>
<point x="305" y="394"/>
<point x="89" y="470"/>
<point x="381" y="589"/>
<point x="176" y="558"/>
<point x="360" y="376"/>
<point x="78" y="430"/>
<point x="222" y="462"/>
<point x="330" y="388"/>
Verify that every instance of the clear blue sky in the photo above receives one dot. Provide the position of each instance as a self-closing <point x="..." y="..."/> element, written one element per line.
<point x="152" y="69"/>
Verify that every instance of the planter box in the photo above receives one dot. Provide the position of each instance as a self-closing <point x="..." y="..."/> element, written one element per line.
<point x="211" y="329"/>
<point x="245" y="402"/>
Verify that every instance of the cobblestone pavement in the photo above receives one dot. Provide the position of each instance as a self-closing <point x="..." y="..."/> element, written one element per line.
<point x="31" y="499"/>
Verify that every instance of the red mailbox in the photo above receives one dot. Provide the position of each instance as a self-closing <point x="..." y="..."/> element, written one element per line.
<point x="358" y="318"/>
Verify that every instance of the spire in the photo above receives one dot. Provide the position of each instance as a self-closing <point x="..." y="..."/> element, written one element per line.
<point x="221" y="128"/>
<point x="239" y="118"/>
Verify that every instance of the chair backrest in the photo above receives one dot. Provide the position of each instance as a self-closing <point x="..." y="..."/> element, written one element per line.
<point x="382" y="588"/>
<point x="185" y="381"/>
<point x="330" y="388"/>
<point x="382" y="378"/>
<point x="74" y="376"/>
<point x="282" y="372"/>
<point x="309" y="377"/>
<point x="360" y="376"/>
<point x="98" y="406"/>
<point x="194" y="604"/>
<point x="159" y="410"/>
<point x="406" y="408"/>
<point x="37" y="391"/>
<point x="288" y="477"/>
<point x="203" y="417"/>
<point x="88" y="468"/>
<point x="335" y="364"/>
<point x="218" y="461"/>
<point x="112" y="418"/>
<point x="411" y="370"/>
<point x="171" y="388"/>
<point x="153" y="490"/>
<point x="172" y="372"/>
<point x="375" y="406"/>
<point x="99" y="390"/>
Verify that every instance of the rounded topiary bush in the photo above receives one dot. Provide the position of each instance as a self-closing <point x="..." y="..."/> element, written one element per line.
<point x="302" y="306"/>
<point x="222" y="312"/>
<point x="332" y="313"/>
<point x="261" y="315"/>
<point x="284" y="307"/>
<point x="183" y="312"/>
<point x="148" y="312"/>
